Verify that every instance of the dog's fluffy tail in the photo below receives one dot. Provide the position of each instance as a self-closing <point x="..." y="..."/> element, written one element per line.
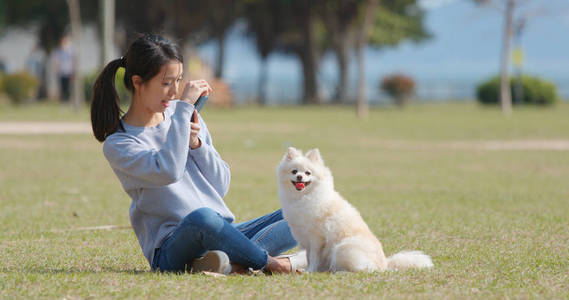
<point x="408" y="260"/>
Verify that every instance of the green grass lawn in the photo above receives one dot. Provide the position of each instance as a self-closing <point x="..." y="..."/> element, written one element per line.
<point x="495" y="221"/>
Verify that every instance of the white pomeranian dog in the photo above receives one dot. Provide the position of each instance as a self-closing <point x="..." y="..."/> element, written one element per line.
<point x="335" y="236"/>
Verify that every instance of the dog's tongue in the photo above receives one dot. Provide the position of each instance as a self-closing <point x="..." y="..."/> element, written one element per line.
<point x="299" y="185"/>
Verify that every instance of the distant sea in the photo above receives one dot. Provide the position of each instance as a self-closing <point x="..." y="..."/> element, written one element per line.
<point x="285" y="85"/>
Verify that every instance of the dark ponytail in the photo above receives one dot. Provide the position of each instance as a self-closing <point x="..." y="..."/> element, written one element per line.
<point x="145" y="57"/>
<point x="105" y="105"/>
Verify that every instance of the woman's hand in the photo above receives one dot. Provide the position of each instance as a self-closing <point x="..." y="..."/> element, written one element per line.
<point x="195" y="141"/>
<point x="194" y="89"/>
<point x="191" y="92"/>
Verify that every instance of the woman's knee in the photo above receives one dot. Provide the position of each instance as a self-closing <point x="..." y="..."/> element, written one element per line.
<point x="205" y="219"/>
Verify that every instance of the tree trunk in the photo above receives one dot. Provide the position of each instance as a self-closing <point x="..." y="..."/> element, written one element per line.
<point x="220" y="54"/>
<point x="309" y="59"/>
<point x="342" y="51"/>
<point x="263" y="74"/>
<point x="362" y="101"/>
<point x="309" y="78"/>
<point x="107" y="7"/>
<point x="505" y="90"/>
<point x="77" y="82"/>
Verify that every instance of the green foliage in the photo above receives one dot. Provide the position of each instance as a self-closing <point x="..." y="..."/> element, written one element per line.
<point x="19" y="86"/>
<point x="89" y="82"/>
<point x="535" y="91"/>
<point x="399" y="87"/>
<point x="2" y="15"/>
<point x="299" y="28"/>
<point x="396" y="21"/>
<point x="262" y="25"/>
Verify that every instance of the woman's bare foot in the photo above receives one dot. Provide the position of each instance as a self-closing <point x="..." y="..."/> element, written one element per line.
<point x="278" y="265"/>
<point x="238" y="269"/>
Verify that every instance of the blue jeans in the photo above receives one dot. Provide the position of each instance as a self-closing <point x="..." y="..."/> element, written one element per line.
<point x="247" y="243"/>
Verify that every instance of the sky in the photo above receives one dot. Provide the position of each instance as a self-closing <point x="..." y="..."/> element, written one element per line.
<point x="467" y="39"/>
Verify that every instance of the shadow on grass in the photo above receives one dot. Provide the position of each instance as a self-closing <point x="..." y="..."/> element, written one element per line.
<point x="41" y="270"/>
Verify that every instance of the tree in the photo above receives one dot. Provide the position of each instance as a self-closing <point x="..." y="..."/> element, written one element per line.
<point x="303" y="34"/>
<point x="107" y="28"/>
<point x="304" y="13"/>
<point x="512" y="18"/>
<point x="362" y="41"/>
<point x="397" y="21"/>
<point x="393" y="22"/>
<point x="76" y="28"/>
<point x="221" y="15"/>
<point x="263" y="27"/>
<point x="505" y="93"/>
<point x="383" y="25"/>
<point x="339" y="17"/>
<point x="2" y="15"/>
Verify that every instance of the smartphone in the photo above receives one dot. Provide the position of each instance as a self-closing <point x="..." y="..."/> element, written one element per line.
<point x="200" y="102"/>
<point x="198" y="106"/>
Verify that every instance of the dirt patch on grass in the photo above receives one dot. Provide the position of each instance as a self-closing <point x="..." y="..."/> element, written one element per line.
<point x="30" y="128"/>
<point x="488" y="145"/>
<point x="44" y="127"/>
<point x="27" y="144"/>
<point x="252" y="127"/>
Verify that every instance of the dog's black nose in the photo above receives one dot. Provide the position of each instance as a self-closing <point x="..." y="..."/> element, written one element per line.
<point x="299" y="177"/>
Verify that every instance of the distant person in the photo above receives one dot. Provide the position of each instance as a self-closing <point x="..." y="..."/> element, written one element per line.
<point x="64" y="59"/>
<point x="163" y="154"/>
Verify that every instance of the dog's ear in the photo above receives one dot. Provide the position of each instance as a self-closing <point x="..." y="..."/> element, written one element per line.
<point x="292" y="153"/>
<point x="314" y="155"/>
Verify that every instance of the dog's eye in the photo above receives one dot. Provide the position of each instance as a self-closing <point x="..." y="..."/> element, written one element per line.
<point x="294" y="172"/>
<point x="307" y="173"/>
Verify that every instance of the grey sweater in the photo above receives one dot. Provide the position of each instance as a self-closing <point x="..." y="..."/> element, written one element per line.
<point x="165" y="179"/>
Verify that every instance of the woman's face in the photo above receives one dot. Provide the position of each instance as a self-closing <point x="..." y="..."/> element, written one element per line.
<point x="156" y="93"/>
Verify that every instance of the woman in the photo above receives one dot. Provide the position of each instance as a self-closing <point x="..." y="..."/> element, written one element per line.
<point x="163" y="155"/>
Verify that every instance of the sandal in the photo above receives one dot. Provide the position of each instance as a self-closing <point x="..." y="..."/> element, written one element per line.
<point x="298" y="261"/>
